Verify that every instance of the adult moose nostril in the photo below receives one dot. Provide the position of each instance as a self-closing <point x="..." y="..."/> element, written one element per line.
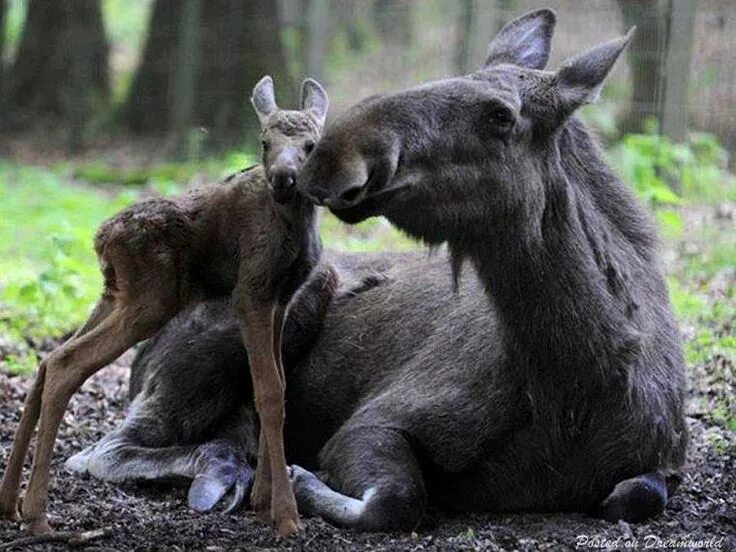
<point x="351" y="194"/>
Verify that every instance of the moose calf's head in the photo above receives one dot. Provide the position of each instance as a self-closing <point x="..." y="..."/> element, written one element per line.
<point x="288" y="137"/>
<point x="432" y="155"/>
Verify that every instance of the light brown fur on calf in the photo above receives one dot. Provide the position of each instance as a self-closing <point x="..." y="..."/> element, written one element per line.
<point x="249" y="236"/>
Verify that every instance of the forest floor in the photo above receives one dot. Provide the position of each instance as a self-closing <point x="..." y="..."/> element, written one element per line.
<point x="702" y="515"/>
<point x="156" y="517"/>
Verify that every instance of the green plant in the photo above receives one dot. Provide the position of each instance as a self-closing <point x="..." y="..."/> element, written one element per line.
<point x="653" y="165"/>
<point x="48" y="271"/>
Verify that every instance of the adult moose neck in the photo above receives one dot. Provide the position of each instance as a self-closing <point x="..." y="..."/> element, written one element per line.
<point x="557" y="268"/>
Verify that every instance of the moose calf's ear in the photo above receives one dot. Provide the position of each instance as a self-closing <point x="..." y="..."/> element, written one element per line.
<point x="580" y="79"/>
<point x="525" y="41"/>
<point x="314" y="99"/>
<point x="263" y="99"/>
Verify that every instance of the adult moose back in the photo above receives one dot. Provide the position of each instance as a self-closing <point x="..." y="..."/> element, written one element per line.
<point x="566" y="393"/>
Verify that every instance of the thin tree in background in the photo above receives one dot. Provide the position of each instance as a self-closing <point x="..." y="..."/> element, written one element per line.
<point x="2" y="59"/>
<point x="477" y="22"/>
<point x="646" y="53"/>
<point x="239" y="43"/>
<point x="680" y="23"/>
<point x="62" y="60"/>
<point x="394" y="22"/>
<point x="185" y="75"/>
<point x="316" y="25"/>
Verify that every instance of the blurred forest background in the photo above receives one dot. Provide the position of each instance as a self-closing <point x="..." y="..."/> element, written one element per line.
<point x="103" y="102"/>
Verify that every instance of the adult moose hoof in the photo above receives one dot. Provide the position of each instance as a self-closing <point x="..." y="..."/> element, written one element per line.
<point x="635" y="500"/>
<point x="79" y="463"/>
<point x="207" y="490"/>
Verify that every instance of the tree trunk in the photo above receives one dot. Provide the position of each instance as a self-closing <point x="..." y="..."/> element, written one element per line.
<point x="62" y="59"/>
<point x="646" y="55"/>
<point x="477" y="22"/>
<point x="185" y="78"/>
<point x="239" y="44"/>
<point x="393" y="20"/>
<point x="315" y="37"/>
<point x="2" y="62"/>
<point x="147" y="109"/>
<point x="680" y="23"/>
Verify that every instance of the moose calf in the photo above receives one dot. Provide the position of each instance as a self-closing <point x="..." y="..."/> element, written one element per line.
<point x="250" y="236"/>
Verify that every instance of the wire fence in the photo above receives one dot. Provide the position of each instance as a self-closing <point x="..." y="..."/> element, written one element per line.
<point x="681" y="70"/>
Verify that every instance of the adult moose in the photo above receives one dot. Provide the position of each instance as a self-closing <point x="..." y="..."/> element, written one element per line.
<point x="576" y="402"/>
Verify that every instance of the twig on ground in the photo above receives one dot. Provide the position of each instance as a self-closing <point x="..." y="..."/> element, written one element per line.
<point x="71" y="538"/>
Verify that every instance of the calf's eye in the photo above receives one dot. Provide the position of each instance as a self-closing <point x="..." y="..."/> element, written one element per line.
<point x="265" y="145"/>
<point x="308" y="146"/>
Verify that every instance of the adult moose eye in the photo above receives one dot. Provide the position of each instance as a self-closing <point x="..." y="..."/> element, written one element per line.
<point x="502" y="117"/>
<point x="308" y="146"/>
<point x="265" y="144"/>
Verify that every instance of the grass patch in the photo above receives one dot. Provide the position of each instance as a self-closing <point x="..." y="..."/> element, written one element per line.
<point x="49" y="275"/>
<point x="173" y="174"/>
<point x="48" y="270"/>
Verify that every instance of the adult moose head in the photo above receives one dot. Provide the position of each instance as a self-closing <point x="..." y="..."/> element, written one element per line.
<point x="463" y="149"/>
<point x="584" y="344"/>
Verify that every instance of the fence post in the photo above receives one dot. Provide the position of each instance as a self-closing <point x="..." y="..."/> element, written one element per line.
<point x="317" y="28"/>
<point x="477" y="24"/>
<point x="674" y="108"/>
<point x="185" y="75"/>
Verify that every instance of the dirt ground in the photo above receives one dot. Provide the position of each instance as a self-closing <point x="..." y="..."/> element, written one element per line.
<point x="156" y="517"/>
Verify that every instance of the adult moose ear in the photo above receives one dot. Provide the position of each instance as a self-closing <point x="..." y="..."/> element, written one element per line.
<point x="525" y="41"/>
<point x="263" y="99"/>
<point x="314" y="99"/>
<point x="580" y="79"/>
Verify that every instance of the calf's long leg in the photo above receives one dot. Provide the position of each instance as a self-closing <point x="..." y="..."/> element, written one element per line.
<point x="10" y="487"/>
<point x="258" y="333"/>
<point x="260" y="497"/>
<point x="66" y="369"/>
<point x="283" y="502"/>
<point x="264" y="494"/>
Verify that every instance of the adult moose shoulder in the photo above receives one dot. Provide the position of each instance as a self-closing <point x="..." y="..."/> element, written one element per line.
<point x="577" y="400"/>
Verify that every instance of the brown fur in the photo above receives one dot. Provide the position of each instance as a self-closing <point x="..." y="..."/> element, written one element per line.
<point x="248" y="236"/>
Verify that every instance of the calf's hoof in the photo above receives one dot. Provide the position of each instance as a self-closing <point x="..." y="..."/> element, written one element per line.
<point x="39" y="526"/>
<point x="262" y="512"/>
<point x="287" y="527"/>
<point x="285" y="514"/>
<point x="9" y="513"/>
